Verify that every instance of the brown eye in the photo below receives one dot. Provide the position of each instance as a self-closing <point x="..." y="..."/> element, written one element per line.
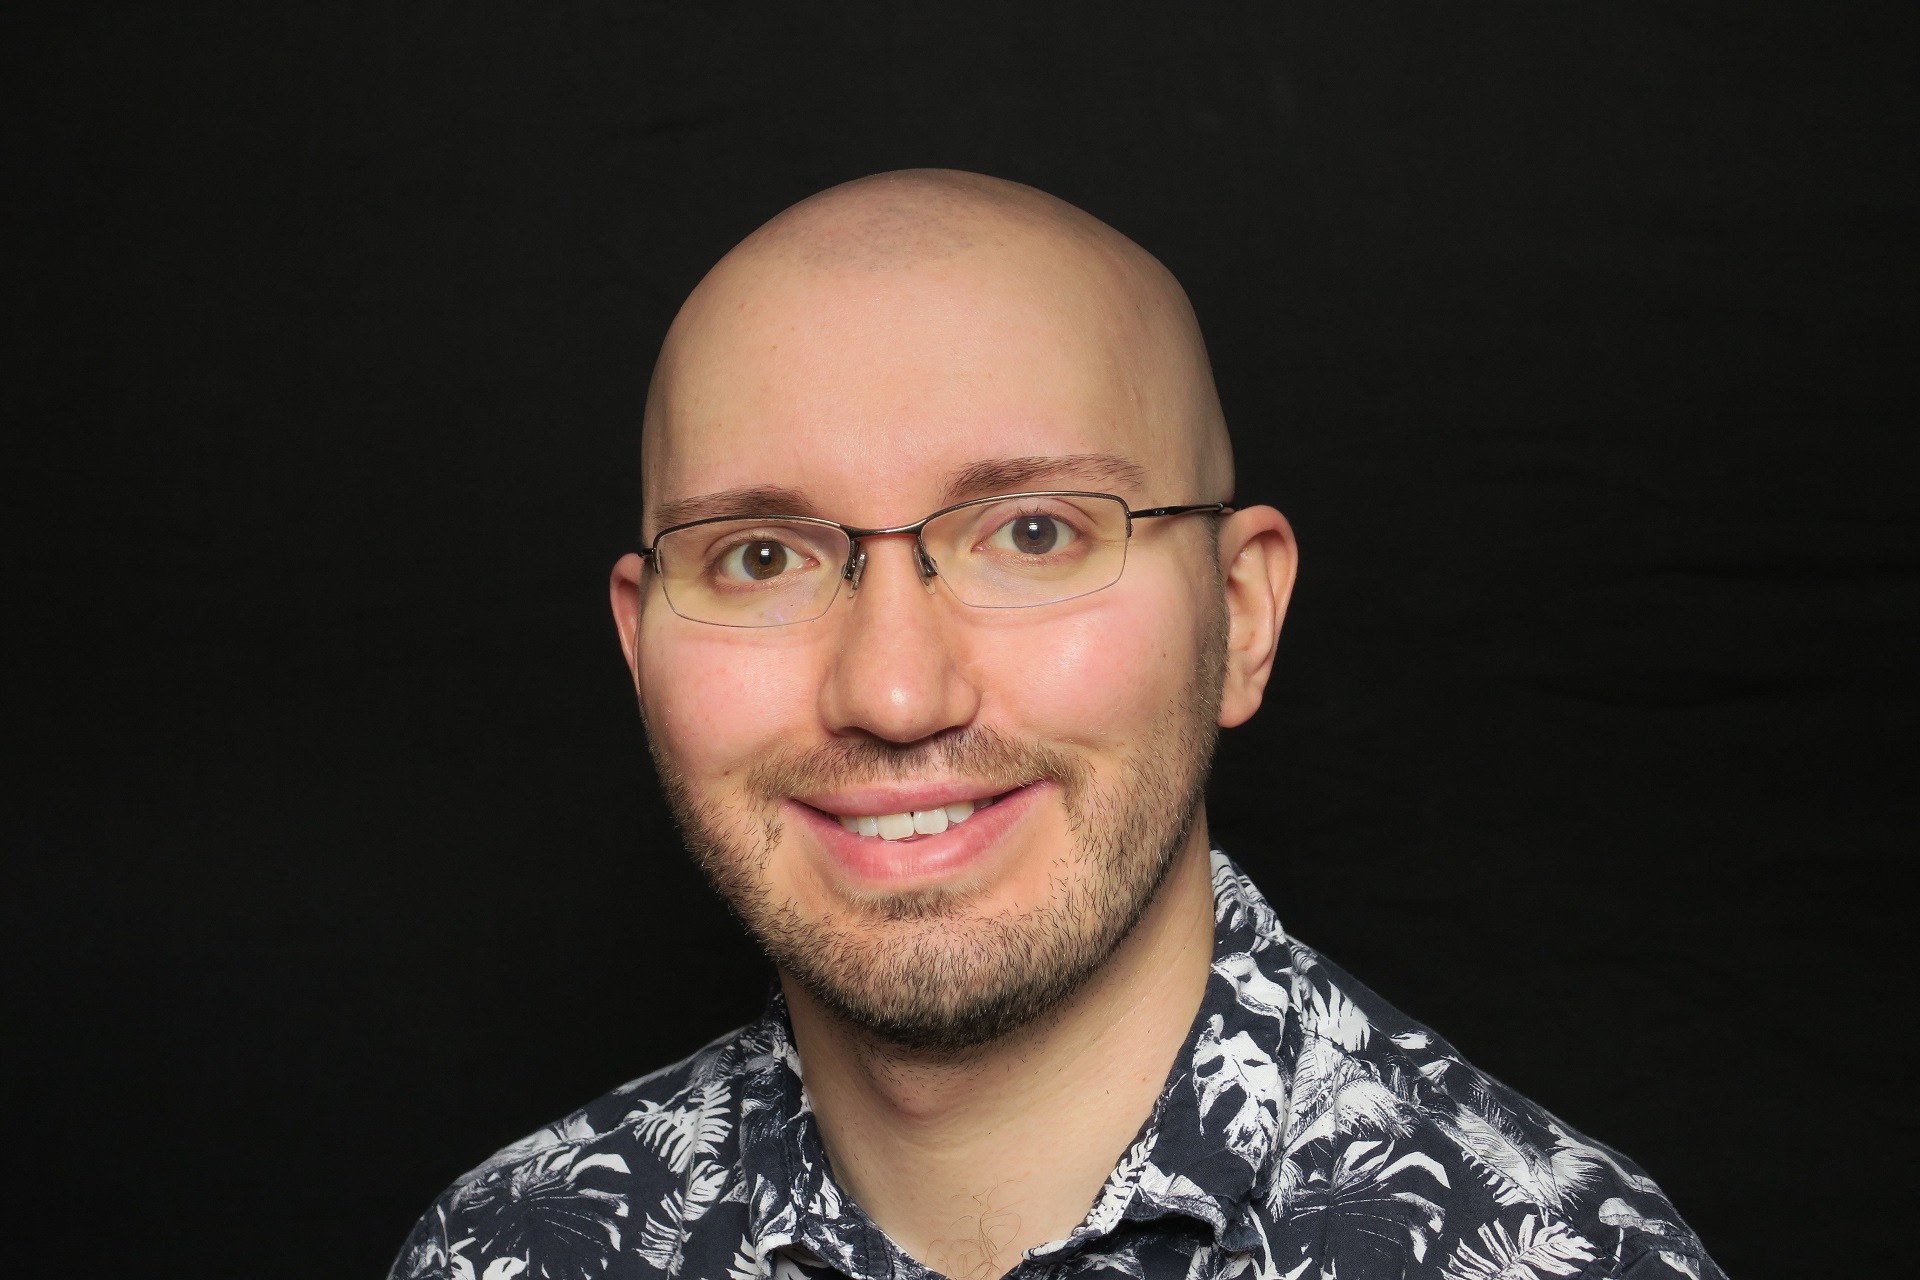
<point x="763" y="560"/>
<point x="760" y="560"/>
<point x="1033" y="535"/>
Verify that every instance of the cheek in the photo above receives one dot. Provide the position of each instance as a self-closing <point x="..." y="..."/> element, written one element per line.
<point x="721" y="702"/>
<point x="1098" y="678"/>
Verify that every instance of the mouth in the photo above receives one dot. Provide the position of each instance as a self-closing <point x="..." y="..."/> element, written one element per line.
<point x="914" y="823"/>
<point x="906" y="838"/>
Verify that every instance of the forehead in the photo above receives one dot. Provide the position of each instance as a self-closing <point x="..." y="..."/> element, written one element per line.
<point x="869" y="393"/>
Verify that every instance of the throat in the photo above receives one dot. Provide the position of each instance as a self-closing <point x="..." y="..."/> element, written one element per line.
<point x="984" y="1241"/>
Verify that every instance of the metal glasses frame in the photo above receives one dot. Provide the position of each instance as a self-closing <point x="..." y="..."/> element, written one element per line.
<point x="856" y="564"/>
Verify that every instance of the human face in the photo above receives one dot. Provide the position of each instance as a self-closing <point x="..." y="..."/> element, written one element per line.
<point x="1080" y="731"/>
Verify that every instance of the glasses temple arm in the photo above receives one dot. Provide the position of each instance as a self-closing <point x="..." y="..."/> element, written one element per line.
<point x="1218" y="508"/>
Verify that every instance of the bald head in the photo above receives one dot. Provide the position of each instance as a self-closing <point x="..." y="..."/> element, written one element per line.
<point x="938" y="317"/>
<point x="892" y="221"/>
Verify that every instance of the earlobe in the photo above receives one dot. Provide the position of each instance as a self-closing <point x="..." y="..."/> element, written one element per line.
<point x="624" y="586"/>
<point x="1258" y="562"/>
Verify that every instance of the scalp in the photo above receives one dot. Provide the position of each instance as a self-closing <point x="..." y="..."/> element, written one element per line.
<point x="946" y="224"/>
<point x="895" y="220"/>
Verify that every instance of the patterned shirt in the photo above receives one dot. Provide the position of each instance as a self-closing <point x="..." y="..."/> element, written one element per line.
<point x="1308" y="1131"/>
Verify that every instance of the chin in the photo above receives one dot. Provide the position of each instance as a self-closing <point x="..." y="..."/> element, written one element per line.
<point x="955" y="965"/>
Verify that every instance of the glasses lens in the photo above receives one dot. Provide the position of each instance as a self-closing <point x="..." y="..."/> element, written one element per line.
<point x="1004" y="553"/>
<point x="751" y="573"/>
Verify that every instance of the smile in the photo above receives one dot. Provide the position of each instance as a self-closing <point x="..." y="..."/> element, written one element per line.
<point x="915" y="822"/>
<point x="904" y="836"/>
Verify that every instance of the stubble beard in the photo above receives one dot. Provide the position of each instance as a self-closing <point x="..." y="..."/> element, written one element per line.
<point x="928" y="971"/>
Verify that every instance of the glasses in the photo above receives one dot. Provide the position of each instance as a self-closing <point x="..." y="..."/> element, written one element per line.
<point x="1009" y="552"/>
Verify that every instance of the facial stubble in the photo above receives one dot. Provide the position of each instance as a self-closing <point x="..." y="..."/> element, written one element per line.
<point x="930" y="971"/>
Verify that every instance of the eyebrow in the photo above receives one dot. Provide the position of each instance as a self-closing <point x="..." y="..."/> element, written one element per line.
<point x="749" y="500"/>
<point x="1008" y="475"/>
<point x="980" y="479"/>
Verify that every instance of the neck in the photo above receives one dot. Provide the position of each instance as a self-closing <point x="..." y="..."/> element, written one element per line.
<point x="967" y="1161"/>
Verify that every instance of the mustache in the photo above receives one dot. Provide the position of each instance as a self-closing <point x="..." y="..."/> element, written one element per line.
<point x="978" y="754"/>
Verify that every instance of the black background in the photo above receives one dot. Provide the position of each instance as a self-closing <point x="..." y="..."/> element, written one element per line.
<point x="1575" y="339"/>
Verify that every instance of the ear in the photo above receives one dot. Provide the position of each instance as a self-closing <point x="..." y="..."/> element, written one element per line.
<point x="624" y="588"/>
<point x="1258" y="560"/>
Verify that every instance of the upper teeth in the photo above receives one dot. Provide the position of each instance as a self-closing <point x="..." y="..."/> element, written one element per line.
<point x="919" y="822"/>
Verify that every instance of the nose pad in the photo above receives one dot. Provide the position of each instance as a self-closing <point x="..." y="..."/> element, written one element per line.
<point x="856" y="567"/>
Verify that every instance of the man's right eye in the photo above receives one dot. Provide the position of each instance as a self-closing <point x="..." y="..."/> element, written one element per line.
<point x="1033" y="534"/>
<point x="759" y="560"/>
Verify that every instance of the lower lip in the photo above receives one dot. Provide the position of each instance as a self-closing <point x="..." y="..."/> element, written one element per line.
<point x="924" y="861"/>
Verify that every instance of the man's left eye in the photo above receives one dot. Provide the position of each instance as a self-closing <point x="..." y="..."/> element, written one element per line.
<point x="762" y="559"/>
<point x="1033" y="535"/>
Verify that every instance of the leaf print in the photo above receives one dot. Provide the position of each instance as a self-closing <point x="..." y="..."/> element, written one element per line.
<point x="1125" y="1261"/>
<point x="774" y="1214"/>
<point x="605" y="1160"/>
<point x="545" y="1207"/>
<point x="1239" y="907"/>
<point x="704" y="1186"/>
<point x="1252" y="988"/>
<point x="1516" y="1170"/>
<point x="1238" y="1064"/>
<point x="1624" y="1218"/>
<point x="1532" y="1252"/>
<point x="498" y="1269"/>
<point x="419" y="1260"/>
<point x="661" y="1243"/>
<point x="1111" y="1203"/>
<point x="825" y="1201"/>
<point x="1617" y="1213"/>
<point x="746" y="1264"/>
<point x="1329" y="1013"/>
<point x="1365" y="1106"/>
<point x="763" y="1259"/>
<point x="574" y="1132"/>
<point x="458" y="1266"/>
<point x="1319" y="1069"/>
<point x="1336" y="1096"/>
<point x="1565" y="1141"/>
<point x="1679" y="1262"/>
<point x="425" y="1253"/>
<point x="1365" y="1201"/>
<point x="680" y="1134"/>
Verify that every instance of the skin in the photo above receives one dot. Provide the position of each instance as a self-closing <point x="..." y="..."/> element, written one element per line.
<point x="862" y="350"/>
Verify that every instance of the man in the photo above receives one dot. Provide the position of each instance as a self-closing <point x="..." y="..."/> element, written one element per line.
<point x="941" y="608"/>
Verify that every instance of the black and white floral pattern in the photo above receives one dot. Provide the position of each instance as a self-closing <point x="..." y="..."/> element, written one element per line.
<point x="1309" y="1131"/>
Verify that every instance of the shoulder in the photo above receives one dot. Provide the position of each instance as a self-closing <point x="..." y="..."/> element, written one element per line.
<point x="1481" y="1180"/>
<point x="574" y="1195"/>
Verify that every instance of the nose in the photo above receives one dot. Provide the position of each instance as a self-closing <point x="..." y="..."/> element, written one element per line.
<point x="896" y="671"/>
